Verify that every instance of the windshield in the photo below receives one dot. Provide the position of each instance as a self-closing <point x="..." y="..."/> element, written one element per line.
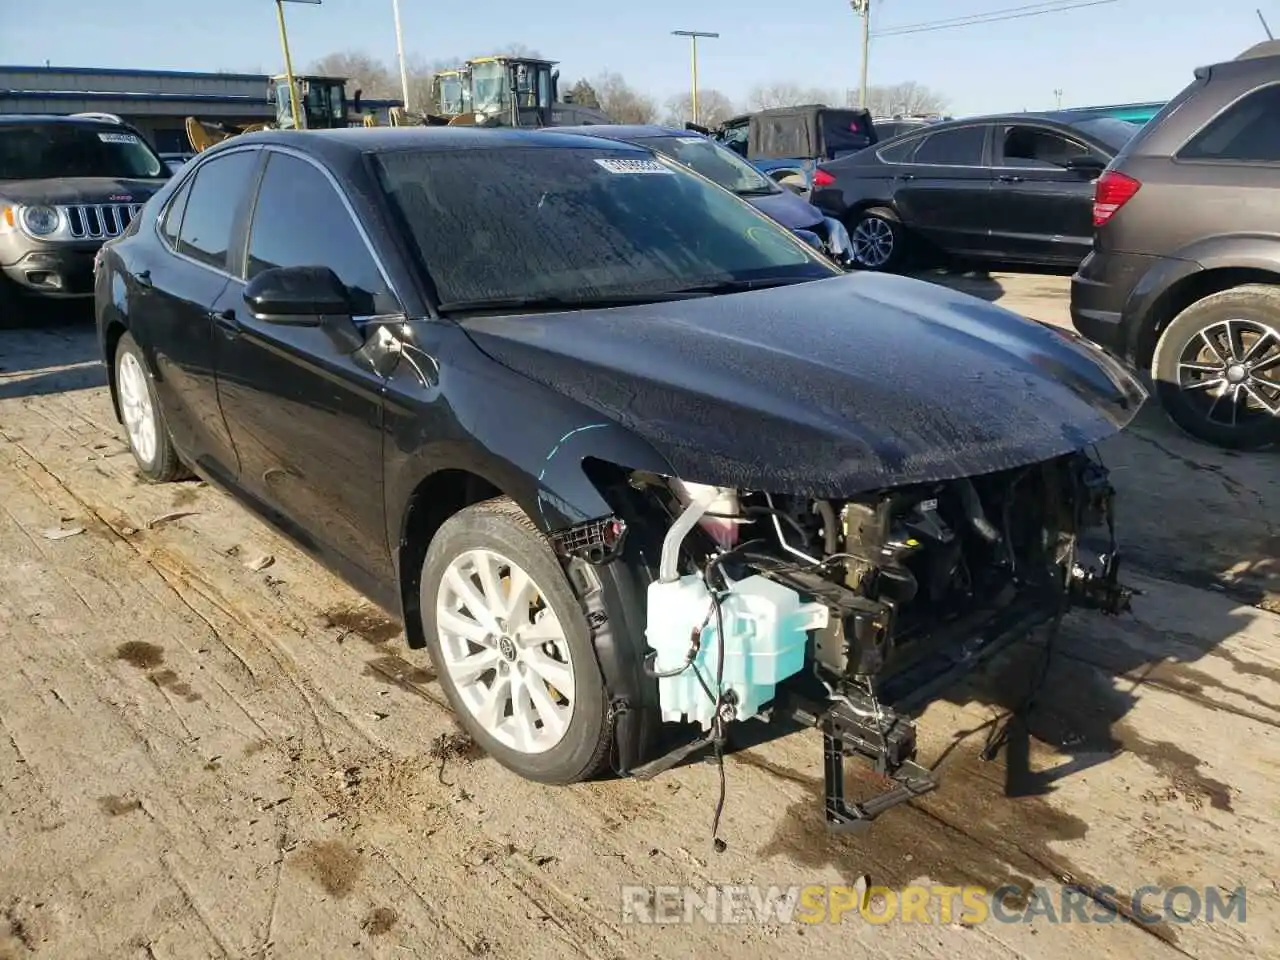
<point x="488" y="85"/>
<point x="451" y="95"/>
<point x="1111" y="131"/>
<point x="51" y="150"/>
<point x="718" y="164"/>
<point x="580" y="224"/>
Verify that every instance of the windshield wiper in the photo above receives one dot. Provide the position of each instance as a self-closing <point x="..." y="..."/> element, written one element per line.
<point x="765" y="191"/>
<point x="738" y="286"/>
<point x="480" y="304"/>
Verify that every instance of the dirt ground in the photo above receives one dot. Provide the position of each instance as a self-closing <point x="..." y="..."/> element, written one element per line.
<point x="209" y="747"/>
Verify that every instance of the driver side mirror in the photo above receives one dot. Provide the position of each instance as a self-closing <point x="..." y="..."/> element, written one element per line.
<point x="304" y="297"/>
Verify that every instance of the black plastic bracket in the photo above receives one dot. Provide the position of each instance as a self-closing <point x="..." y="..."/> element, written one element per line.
<point x="892" y="751"/>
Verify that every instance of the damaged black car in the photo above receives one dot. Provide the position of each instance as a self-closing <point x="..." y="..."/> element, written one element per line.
<point x="618" y="450"/>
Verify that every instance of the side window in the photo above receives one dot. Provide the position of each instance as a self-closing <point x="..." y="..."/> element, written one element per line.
<point x="961" y="147"/>
<point x="173" y="216"/>
<point x="300" y="221"/>
<point x="1248" y="131"/>
<point x="211" y="207"/>
<point x="1036" y="146"/>
<point x="900" y="152"/>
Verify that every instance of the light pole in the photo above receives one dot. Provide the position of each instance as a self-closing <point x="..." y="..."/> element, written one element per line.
<point x="294" y="110"/>
<point x="404" y="70"/>
<point x="863" y="9"/>
<point x="693" y="36"/>
<point x="1058" y="94"/>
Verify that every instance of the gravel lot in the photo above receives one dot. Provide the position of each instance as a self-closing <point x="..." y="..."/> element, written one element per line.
<point x="209" y="747"/>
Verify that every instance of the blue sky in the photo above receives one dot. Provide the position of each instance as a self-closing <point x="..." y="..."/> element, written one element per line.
<point x="1123" y="51"/>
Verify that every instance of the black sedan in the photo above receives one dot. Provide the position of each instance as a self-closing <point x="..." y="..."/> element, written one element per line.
<point x="1015" y="189"/>
<point x="614" y="445"/>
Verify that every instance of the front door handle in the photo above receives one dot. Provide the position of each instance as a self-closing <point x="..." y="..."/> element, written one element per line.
<point x="1009" y="178"/>
<point x="227" y="321"/>
<point x="907" y="176"/>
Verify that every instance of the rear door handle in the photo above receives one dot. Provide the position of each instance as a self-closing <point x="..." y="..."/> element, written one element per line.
<point x="1009" y="178"/>
<point x="227" y="321"/>
<point x="907" y="176"/>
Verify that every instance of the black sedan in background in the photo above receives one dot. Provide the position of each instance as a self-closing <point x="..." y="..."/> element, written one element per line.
<point x="1014" y="189"/>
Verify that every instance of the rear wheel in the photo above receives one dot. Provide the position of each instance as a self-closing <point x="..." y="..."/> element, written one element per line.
<point x="512" y="647"/>
<point x="878" y="239"/>
<point x="144" y="423"/>
<point x="1217" y="368"/>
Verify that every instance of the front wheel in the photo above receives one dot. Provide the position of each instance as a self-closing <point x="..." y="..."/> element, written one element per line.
<point x="1217" y="368"/>
<point x="143" y="420"/>
<point x="878" y="240"/>
<point x="512" y="647"/>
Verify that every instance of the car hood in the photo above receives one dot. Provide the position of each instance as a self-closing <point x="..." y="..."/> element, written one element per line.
<point x="827" y="388"/>
<point x="80" y="190"/>
<point x="790" y="210"/>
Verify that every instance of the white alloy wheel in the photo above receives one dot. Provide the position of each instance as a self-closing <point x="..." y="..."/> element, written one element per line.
<point x="505" y="651"/>
<point x="136" y="407"/>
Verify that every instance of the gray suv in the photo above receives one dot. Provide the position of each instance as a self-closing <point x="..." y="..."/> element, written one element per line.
<point x="67" y="184"/>
<point x="1184" y="275"/>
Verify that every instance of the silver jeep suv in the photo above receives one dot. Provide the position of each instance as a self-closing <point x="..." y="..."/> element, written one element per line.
<point x="67" y="184"/>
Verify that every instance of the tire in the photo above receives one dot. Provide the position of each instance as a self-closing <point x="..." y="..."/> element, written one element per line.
<point x="498" y="531"/>
<point x="1251" y="312"/>
<point x="882" y="223"/>
<point x="148" y="434"/>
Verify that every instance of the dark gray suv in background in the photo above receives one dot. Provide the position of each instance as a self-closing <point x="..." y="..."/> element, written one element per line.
<point x="67" y="185"/>
<point x="1184" y="276"/>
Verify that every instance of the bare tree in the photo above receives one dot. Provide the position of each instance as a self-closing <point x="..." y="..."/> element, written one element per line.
<point x="584" y="94"/>
<point x="771" y="96"/>
<point x="902" y="99"/>
<point x="714" y="108"/>
<point x="621" y="102"/>
<point x="364" y="72"/>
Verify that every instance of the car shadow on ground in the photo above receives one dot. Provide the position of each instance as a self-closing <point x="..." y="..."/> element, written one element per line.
<point x="49" y="350"/>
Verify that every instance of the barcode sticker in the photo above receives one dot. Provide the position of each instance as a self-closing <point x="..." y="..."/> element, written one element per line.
<point x="689" y="139"/>
<point x="117" y="138"/>
<point x="632" y="166"/>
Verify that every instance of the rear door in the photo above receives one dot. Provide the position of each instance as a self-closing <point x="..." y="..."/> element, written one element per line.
<point x="196" y="230"/>
<point x="1042" y="212"/>
<point x="941" y="190"/>
<point x="305" y="412"/>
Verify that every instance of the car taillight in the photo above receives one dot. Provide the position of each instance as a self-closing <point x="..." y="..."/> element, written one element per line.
<point x="822" y="179"/>
<point x="1112" y="192"/>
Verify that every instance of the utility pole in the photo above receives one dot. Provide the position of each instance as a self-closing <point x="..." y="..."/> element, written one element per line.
<point x="294" y="93"/>
<point x="1265" y="28"/>
<point x="1058" y="94"/>
<point x="863" y="9"/>
<point x="693" y="36"/>
<point x="404" y="70"/>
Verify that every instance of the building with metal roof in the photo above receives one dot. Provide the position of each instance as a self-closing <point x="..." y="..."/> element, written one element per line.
<point x="157" y="102"/>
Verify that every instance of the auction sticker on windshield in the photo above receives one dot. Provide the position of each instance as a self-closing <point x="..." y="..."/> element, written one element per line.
<point x="117" y="138"/>
<point x="632" y="166"/>
<point x="688" y="139"/>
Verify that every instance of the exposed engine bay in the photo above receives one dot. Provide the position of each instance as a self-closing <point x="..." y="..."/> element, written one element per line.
<point x="848" y="613"/>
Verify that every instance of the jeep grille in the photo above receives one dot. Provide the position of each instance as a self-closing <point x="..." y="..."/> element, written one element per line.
<point x="100" y="221"/>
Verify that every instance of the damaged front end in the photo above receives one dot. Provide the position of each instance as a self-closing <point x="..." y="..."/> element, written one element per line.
<point x="849" y="614"/>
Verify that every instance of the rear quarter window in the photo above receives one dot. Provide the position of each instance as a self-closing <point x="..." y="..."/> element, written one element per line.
<point x="1248" y="131"/>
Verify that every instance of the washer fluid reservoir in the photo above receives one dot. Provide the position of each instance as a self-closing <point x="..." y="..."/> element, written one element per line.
<point x="766" y="629"/>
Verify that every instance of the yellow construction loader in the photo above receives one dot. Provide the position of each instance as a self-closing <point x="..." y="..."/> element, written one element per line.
<point x="322" y="105"/>
<point x="508" y="91"/>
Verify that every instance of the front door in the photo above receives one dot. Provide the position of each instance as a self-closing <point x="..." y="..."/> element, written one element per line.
<point x="197" y="227"/>
<point x="941" y="193"/>
<point x="1041" y="212"/>
<point x="304" y="410"/>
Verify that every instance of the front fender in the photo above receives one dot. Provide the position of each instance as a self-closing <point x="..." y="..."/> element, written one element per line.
<point x="521" y="437"/>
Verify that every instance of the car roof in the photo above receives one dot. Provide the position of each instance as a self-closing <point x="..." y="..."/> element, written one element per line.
<point x="30" y="118"/>
<point x="626" y="131"/>
<point x="352" y="141"/>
